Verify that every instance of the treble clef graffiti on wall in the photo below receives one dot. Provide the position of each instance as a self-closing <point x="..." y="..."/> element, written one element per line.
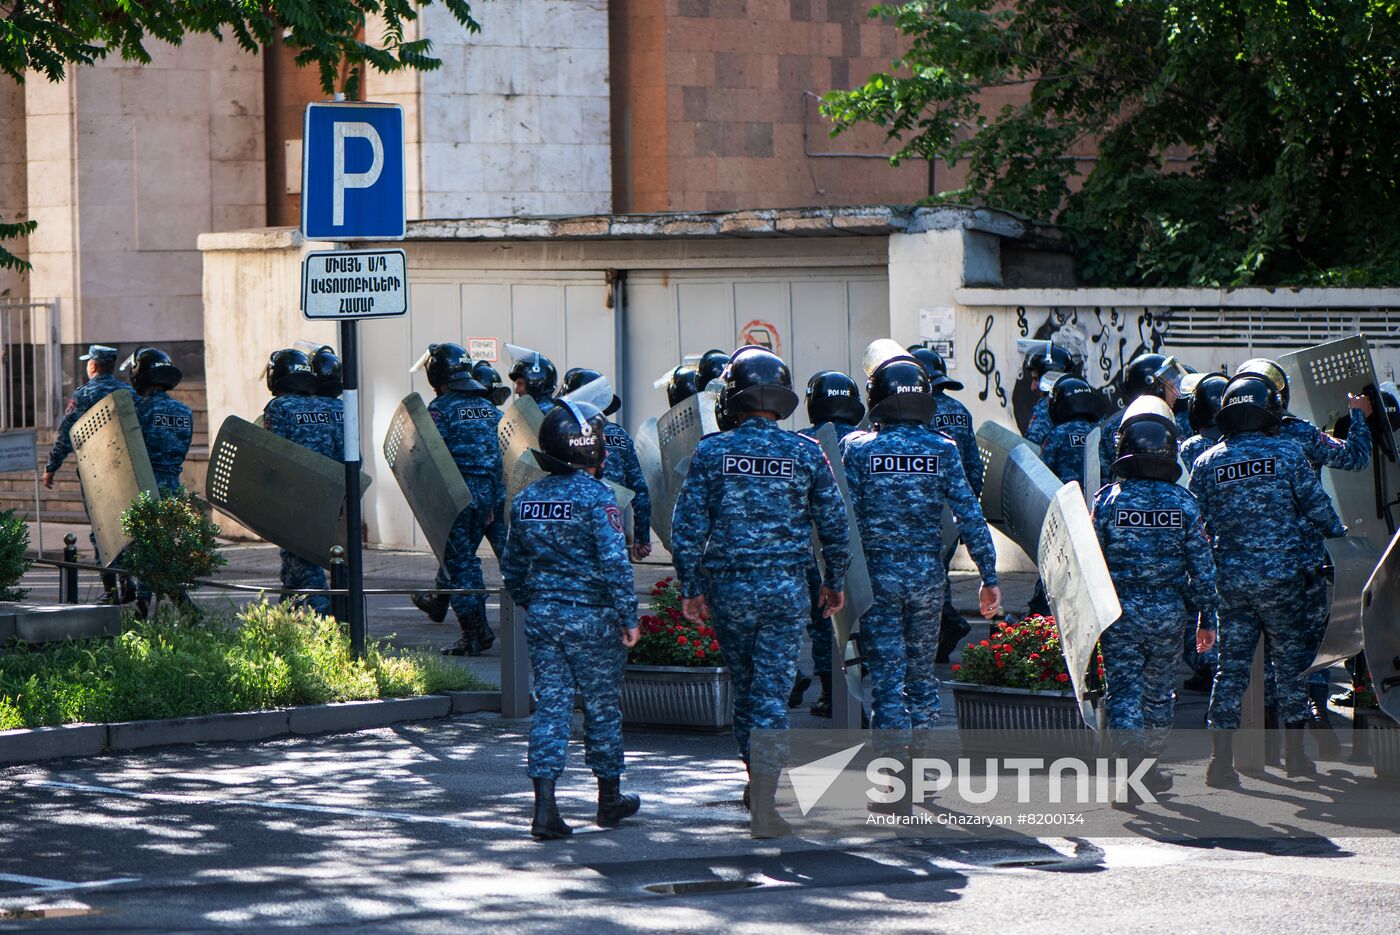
<point x="986" y="363"/>
<point x="1021" y="324"/>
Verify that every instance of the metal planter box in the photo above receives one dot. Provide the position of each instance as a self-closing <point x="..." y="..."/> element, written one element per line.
<point x="1384" y="735"/>
<point x="994" y="720"/>
<point x="678" y="697"/>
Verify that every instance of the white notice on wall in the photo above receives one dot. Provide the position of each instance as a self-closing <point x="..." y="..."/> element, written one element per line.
<point x="937" y="331"/>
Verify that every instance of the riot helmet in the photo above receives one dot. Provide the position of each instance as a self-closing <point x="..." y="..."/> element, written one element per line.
<point x="1071" y="398"/>
<point x="289" y="372"/>
<point x="936" y="368"/>
<point x="1250" y="403"/>
<point x="1147" y="440"/>
<point x="681" y="384"/>
<point x="899" y="391"/>
<point x="757" y="380"/>
<point x="1045" y="356"/>
<point x="495" y="389"/>
<point x="1269" y="370"/>
<point x="724" y="416"/>
<point x="571" y="435"/>
<point x="330" y="376"/>
<point x="579" y="376"/>
<point x="1390" y="402"/>
<point x="710" y="367"/>
<point x="1152" y="375"/>
<point x="536" y="370"/>
<point x="151" y="367"/>
<point x="833" y="397"/>
<point x="1205" y="401"/>
<point x="449" y="366"/>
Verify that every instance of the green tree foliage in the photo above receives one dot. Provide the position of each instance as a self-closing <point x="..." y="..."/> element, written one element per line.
<point x="1249" y="141"/>
<point x="46" y="37"/>
<point x="173" y="543"/>
<point x="14" y="543"/>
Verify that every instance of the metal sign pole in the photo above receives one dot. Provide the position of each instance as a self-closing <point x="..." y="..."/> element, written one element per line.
<point x="354" y="554"/>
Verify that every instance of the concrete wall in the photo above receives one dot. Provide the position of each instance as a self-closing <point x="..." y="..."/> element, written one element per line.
<point x="128" y="165"/>
<point x="516" y="121"/>
<point x="14" y="182"/>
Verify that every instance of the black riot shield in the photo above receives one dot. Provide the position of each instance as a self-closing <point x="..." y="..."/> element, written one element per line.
<point x="289" y="495"/>
<point x="427" y="475"/>
<point x="1319" y="379"/>
<point x="113" y="468"/>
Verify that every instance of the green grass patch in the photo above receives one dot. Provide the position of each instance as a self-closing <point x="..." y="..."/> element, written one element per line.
<point x="265" y="656"/>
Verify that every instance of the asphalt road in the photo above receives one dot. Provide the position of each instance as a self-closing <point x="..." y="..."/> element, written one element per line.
<point x="422" y="828"/>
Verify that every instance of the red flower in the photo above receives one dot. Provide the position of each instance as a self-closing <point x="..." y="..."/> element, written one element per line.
<point x="714" y="645"/>
<point x="1062" y="677"/>
<point x="1035" y="655"/>
<point x="699" y="653"/>
<point x="681" y="641"/>
<point x="983" y="643"/>
<point x="956" y="667"/>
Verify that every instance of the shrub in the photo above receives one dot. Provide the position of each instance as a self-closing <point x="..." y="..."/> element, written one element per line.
<point x="668" y="639"/>
<point x="268" y="656"/>
<point x="1019" y="655"/>
<point x="174" y="542"/>
<point x="14" y="542"/>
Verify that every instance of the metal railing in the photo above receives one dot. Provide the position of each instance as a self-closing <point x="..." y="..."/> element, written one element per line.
<point x="31" y="378"/>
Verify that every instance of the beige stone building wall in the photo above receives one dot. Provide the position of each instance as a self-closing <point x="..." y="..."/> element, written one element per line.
<point x="127" y="165"/>
<point x="13" y="180"/>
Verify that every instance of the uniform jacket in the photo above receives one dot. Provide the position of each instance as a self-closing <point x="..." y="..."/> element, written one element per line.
<point x="566" y="544"/>
<point x="749" y="503"/>
<point x="1261" y="500"/>
<point x="900" y="479"/>
<point x="1322" y="450"/>
<point x="622" y="467"/>
<point x="313" y="422"/>
<point x="83" y="399"/>
<point x="1063" y="451"/>
<point x="1153" y="536"/>
<point x="467" y="423"/>
<point x="167" y="426"/>
<point x="1197" y="445"/>
<point x="953" y="420"/>
<point x="1040" y="424"/>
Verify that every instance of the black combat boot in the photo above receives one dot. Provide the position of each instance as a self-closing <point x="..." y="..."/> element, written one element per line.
<point x="799" y="690"/>
<point x="764" y="820"/>
<point x="109" y="589"/>
<point x="1329" y="747"/>
<point x="480" y="631"/>
<point x="822" y="706"/>
<point x="434" y="605"/>
<point x="613" y="804"/>
<point x="1220" y="774"/>
<point x="1201" y="680"/>
<point x="465" y="645"/>
<point x="950" y="633"/>
<point x="1273" y="747"/>
<point x="547" y="825"/>
<point x="1295" y="758"/>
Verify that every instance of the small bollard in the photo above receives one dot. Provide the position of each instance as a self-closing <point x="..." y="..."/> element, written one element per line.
<point x="340" y="580"/>
<point x="68" y="577"/>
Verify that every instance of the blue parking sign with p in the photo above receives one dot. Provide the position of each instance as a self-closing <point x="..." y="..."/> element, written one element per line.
<point x="353" y="172"/>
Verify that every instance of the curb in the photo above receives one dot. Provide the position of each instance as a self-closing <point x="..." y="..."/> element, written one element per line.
<point x="28" y="745"/>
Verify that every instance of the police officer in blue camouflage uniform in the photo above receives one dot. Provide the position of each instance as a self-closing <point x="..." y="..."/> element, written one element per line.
<point x="534" y="375"/>
<point x="1051" y="358"/>
<point x="167" y="425"/>
<point x="317" y="423"/>
<point x="101" y="361"/>
<point x="497" y="392"/>
<point x="566" y="564"/>
<point x="900" y="476"/>
<point x="1074" y="407"/>
<point x="953" y="419"/>
<point x="1146" y="375"/>
<point x="1154" y="543"/>
<point x="467" y="421"/>
<point x="622" y="466"/>
<point x="1260" y="499"/>
<point x="741" y="540"/>
<point x="832" y="398"/>
<point x="1322" y="450"/>
<point x="330" y="374"/>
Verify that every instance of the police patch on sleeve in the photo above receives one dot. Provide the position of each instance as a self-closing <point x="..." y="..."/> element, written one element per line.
<point x="1126" y="518"/>
<point x="614" y="518"/>
<point x="739" y="465"/>
<point x="1241" y="470"/>
<point x="904" y="464"/>
<point x="546" y="511"/>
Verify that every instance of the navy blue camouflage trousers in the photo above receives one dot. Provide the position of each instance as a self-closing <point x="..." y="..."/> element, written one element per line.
<point x="297" y="572"/>
<point x="575" y="651"/>
<point x="462" y="567"/>
<point x="899" y="637"/>
<point x="1140" y="653"/>
<point x="758" y="617"/>
<point x="1276" y="609"/>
